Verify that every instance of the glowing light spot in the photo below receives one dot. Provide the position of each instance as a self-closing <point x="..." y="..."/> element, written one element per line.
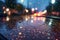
<point x="3" y="7"/>
<point x="7" y="9"/>
<point x="33" y="9"/>
<point x="52" y="1"/>
<point x="50" y="22"/>
<point x="35" y="14"/>
<point x="26" y="19"/>
<point x="31" y="21"/>
<point x="26" y="10"/>
<point x="36" y="8"/>
<point x="7" y="18"/>
<point x="20" y="33"/>
<point x="21" y="27"/>
<point x="39" y="14"/>
<point x="56" y="39"/>
<point x="4" y="12"/>
<point x="22" y="1"/>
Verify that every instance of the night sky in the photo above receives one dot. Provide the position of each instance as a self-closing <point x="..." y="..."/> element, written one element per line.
<point x="39" y="4"/>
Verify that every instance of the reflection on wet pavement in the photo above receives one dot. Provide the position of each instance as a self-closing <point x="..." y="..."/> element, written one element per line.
<point x="30" y="28"/>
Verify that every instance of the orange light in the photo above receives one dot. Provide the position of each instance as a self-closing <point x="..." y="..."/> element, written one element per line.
<point x="39" y="14"/>
<point x="35" y="14"/>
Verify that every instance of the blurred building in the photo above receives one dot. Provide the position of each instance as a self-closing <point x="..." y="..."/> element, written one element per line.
<point x="54" y="9"/>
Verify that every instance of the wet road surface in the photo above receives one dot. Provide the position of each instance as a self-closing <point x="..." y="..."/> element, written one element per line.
<point x="30" y="28"/>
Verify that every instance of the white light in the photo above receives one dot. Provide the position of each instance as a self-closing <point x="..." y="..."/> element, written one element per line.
<point x="7" y="18"/>
<point x="33" y="9"/>
<point x="7" y="9"/>
<point x="20" y="33"/>
<point x="52" y="1"/>
<point x="36" y="9"/>
<point x="31" y="21"/>
<point x="22" y="1"/>
<point x="50" y="22"/>
<point x="4" y="12"/>
<point x="45" y="11"/>
<point x="21" y="27"/>
<point x="26" y="10"/>
<point x="26" y="19"/>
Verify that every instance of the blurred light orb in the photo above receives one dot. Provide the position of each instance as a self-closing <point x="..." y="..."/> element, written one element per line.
<point x="22" y="1"/>
<point x="21" y="27"/>
<point x="56" y="39"/>
<point x="36" y="8"/>
<point x="39" y="14"/>
<point x="4" y="12"/>
<point x="50" y="22"/>
<point x="7" y="9"/>
<point x="33" y="9"/>
<point x="7" y="18"/>
<point x="3" y="7"/>
<point x="52" y="1"/>
<point x="26" y="19"/>
<point x="35" y="14"/>
<point x="26" y="10"/>
<point x="32" y="21"/>
<point x="20" y="33"/>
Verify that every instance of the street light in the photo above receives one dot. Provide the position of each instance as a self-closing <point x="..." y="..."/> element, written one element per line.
<point x="33" y="9"/>
<point x="53" y="1"/>
<point x="7" y="9"/>
<point x="26" y="10"/>
<point x="22" y="1"/>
